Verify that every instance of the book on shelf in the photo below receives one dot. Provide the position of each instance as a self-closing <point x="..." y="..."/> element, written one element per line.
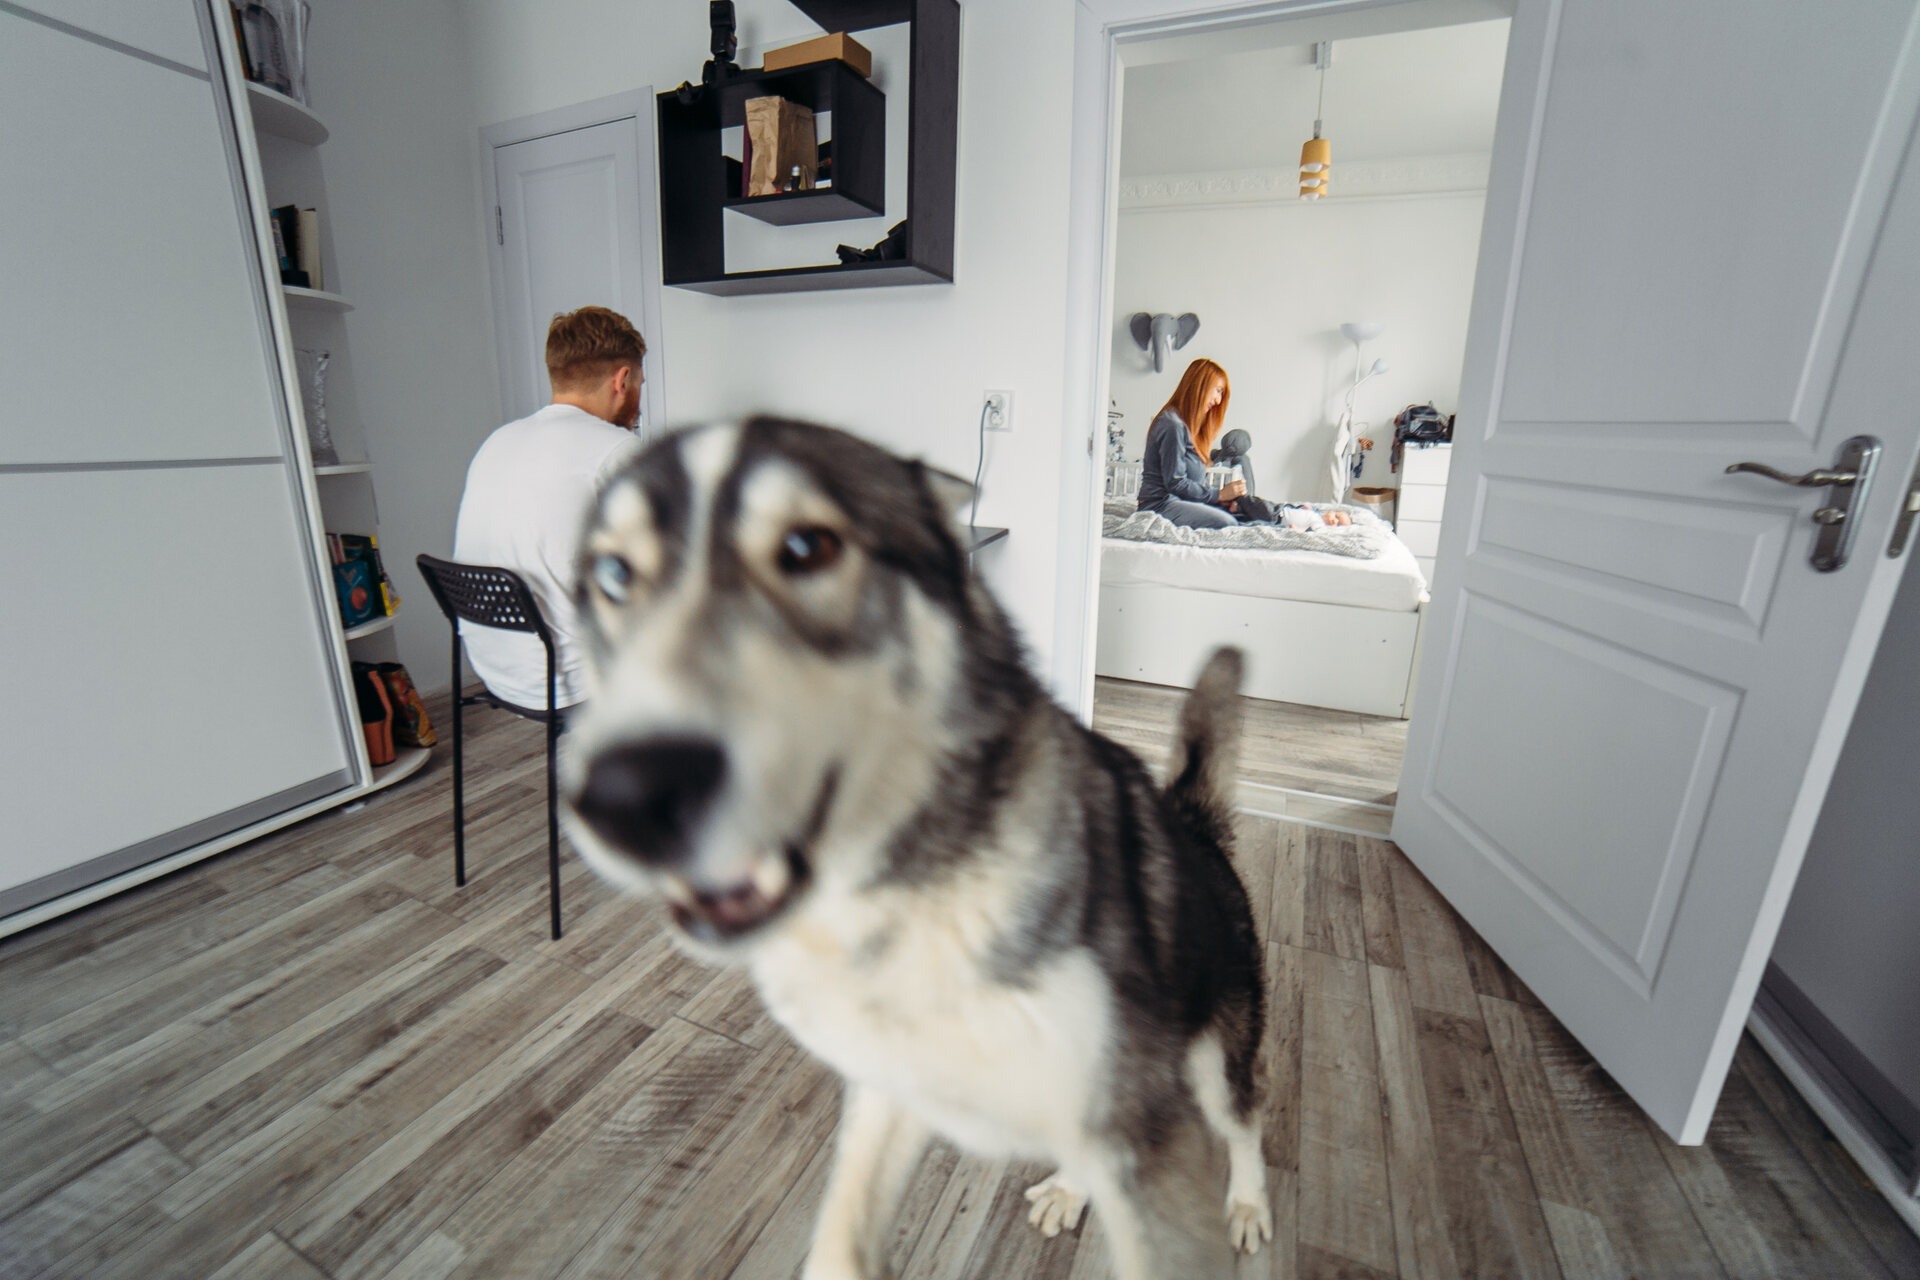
<point x="365" y="547"/>
<point x="240" y="42"/>
<point x="359" y="592"/>
<point x="286" y="240"/>
<point x="309" y="255"/>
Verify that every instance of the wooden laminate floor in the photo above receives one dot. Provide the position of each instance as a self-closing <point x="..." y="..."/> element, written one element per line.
<point x="314" y="1057"/>
<point x="1333" y="753"/>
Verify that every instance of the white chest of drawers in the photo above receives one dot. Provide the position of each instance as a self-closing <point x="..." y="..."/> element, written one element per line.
<point x="1423" y="494"/>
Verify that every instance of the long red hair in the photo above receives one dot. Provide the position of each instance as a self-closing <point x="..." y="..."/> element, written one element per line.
<point x="1190" y="402"/>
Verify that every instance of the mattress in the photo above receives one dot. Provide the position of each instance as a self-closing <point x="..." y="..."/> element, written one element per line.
<point x="1391" y="581"/>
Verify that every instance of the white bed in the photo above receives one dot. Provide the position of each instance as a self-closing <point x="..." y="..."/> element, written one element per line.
<point x="1392" y="581"/>
<point x="1318" y="629"/>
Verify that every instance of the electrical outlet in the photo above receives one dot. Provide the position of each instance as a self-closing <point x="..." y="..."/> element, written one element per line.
<point x="999" y="407"/>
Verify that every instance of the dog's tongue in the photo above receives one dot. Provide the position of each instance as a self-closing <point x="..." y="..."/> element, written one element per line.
<point x="746" y="902"/>
<point x="737" y="906"/>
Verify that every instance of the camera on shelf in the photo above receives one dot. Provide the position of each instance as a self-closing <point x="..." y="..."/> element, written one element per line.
<point x="725" y="42"/>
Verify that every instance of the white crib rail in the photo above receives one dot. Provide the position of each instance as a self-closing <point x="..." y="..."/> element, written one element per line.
<point x="1123" y="479"/>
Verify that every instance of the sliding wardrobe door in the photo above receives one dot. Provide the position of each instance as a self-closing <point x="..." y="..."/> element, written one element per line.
<point x="130" y="320"/>
<point x="169" y="683"/>
<point x="169" y="675"/>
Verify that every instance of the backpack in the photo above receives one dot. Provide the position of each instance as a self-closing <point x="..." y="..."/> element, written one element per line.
<point x="1422" y="424"/>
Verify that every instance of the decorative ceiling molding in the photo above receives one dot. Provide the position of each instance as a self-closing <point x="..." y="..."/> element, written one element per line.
<point x="1353" y="180"/>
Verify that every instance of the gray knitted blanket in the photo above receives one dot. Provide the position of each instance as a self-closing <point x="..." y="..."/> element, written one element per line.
<point x="1364" y="539"/>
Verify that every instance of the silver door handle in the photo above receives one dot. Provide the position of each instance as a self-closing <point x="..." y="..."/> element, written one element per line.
<point x="1815" y="479"/>
<point x="1848" y="478"/>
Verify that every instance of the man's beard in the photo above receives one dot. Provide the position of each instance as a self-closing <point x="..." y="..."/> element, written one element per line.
<point x="629" y="414"/>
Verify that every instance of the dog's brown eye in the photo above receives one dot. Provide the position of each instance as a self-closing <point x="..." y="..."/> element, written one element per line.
<point x="808" y="550"/>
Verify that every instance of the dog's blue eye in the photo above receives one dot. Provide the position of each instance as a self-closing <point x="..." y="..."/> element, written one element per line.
<point x="612" y="574"/>
<point x="808" y="550"/>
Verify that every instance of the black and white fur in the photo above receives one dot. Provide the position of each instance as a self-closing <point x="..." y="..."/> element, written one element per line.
<point x="812" y="732"/>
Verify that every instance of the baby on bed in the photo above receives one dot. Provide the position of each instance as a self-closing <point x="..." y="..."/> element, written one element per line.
<point x="1302" y="518"/>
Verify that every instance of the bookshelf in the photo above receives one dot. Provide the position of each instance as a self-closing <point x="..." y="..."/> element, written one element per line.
<point x="407" y="761"/>
<point x="314" y="299"/>
<point x="275" y="113"/>
<point x="366" y="629"/>
<point x="286" y="135"/>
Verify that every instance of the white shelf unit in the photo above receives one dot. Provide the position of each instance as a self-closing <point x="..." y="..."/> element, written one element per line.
<point x="366" y="629"/>
<point x="346" y="503"/>
<point x="274" y="112"/>
<point x="407" y="761"/>
<point x="314" y="299"/>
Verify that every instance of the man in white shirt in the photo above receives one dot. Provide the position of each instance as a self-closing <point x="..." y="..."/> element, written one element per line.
<point x="529" y="489"/>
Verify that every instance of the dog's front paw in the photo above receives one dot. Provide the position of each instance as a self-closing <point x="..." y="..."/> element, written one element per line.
<point x="1248" y="1223"/>
<point x="1057" y="1204"/>
<point x="822" y="1269"/>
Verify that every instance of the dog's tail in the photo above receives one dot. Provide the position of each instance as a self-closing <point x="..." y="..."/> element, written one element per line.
<point x="1206" y="753"/>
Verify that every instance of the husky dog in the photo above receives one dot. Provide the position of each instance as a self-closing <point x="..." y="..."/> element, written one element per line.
<point x="811" y="733"/>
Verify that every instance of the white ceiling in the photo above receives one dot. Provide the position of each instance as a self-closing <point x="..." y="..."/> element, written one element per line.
<point x="1415" y="93"/>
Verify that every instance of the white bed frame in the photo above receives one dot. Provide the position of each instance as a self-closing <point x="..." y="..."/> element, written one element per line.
<point x="1320" y="655"/>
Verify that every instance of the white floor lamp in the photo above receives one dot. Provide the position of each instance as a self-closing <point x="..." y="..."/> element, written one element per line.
<point x="1357" y="332"/>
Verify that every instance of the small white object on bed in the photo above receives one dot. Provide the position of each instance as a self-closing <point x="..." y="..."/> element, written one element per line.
<point x="1318" y="629"/>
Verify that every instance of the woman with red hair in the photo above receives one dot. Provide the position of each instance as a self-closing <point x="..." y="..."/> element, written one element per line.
<point x="1173" y="471"/>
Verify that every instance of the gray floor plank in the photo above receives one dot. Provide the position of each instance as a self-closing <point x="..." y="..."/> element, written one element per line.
<point x="1897" y="1247"/>
<point x="1336" y="753"/>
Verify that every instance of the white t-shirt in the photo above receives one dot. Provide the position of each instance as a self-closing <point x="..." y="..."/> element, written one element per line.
<point x="526" y="501"/>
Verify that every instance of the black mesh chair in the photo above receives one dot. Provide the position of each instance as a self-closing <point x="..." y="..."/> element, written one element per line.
<point x="490" y="597"/>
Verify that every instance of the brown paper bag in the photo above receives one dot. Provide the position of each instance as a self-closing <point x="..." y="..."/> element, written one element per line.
<point x="780" y="135"/>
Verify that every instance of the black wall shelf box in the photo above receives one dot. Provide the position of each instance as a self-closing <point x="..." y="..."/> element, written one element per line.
<point x="859" y="146"/>
<point x="857" y="275"/>
<point x="856" y="15"/>
<point x="791" y="208"/>
<point x="698" y="184"/>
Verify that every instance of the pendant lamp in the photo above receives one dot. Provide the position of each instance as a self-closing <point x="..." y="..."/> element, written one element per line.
<point x="1316" y="154"/>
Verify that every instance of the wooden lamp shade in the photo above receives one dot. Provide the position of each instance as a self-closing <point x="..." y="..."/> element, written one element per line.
<point x="1316" y="167"/>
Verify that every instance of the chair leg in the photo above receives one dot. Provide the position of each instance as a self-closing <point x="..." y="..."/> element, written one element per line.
<point x="459" y="807"/>
<point x="553" y="824"/>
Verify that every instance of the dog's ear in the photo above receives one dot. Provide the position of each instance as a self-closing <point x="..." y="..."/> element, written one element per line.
<point x="951" y="493"/>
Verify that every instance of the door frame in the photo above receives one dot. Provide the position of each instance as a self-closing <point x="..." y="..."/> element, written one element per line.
<point x="636" y="108"/>
<point x="1102" y="30"/>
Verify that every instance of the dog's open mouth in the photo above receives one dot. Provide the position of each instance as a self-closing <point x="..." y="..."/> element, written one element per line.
<point x="724" y="912"/>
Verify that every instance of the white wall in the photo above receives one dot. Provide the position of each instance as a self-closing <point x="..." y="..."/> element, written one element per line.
<point x="1272" y="283"/>
<point x="905" y="367"/>
<point x="1849" y="939"/>
<point x="414" y="380"/>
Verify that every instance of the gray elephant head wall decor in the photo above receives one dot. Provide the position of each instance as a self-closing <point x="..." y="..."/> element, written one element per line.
<point x="1162" y="333"/>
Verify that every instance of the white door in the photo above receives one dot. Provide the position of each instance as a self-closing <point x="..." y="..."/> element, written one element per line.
<point x="569" y="233"/>
<point x="1635" y="683"/>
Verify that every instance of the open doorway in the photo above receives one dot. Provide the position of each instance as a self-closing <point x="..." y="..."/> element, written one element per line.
<point x="1339" y="323"/>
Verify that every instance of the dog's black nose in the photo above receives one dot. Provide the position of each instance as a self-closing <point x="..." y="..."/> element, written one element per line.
<point x="645" y="796"/>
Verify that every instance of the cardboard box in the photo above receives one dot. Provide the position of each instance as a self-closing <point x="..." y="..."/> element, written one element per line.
<point x="842" y="46"/>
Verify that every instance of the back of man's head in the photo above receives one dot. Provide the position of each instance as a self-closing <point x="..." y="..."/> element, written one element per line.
<point x="584" y="347"/>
